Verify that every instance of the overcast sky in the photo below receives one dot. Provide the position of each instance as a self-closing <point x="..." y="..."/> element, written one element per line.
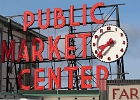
<point x="129" y="17"/>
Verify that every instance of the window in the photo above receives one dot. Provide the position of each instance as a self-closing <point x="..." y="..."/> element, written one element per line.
<point x="10" y="86"/>
<point x="32" y="69"/>
<point x="10" y="39"/>
<point x="0" y="85"/>
<point x="19" y="42"/>
<point x="32" y="72"/>
<point x="0" y="36"/>
<point x="18" y="68"/>
<point x="10" y="67"/>
<point x="0" y="64"/>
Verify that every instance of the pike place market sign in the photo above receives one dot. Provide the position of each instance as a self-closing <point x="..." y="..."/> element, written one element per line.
<point x="109" y="43"/>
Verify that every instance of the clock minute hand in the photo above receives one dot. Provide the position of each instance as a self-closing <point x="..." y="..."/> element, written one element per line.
<point x="102" y="47"/>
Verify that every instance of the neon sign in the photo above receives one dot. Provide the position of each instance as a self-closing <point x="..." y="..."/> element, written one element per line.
<point x="8" y="53"/>
<point x="58" y="15"/>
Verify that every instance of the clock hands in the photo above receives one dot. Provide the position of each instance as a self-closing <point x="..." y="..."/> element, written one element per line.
<point x="102" y="47"/>
<point x="109" y="43"/>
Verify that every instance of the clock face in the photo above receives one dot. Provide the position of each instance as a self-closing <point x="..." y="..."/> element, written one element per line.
<point x="109" y="43"/>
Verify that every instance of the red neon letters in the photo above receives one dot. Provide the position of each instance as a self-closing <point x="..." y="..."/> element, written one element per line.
<point x="25" y="71"/>
<point x="52" y="48"/>
<point x="26" y="23"/>
<point x="57" y="78"/>
<point x="47" y="19"/>
<point x="36" y="79"/>
<point x="70" y="72"/>
<point x="59" y="15"/>
<point x="92" y="13"/>
<point x="98" y="71"/>
<point x="52" y="76"/>
<point x="23" y="47"/>
<point x="37" y="53"/>
<point x="69" y="48"/>
<point x="84" y="77"/>
<point x="84" y="37"/>
<point x="7" y="51"/>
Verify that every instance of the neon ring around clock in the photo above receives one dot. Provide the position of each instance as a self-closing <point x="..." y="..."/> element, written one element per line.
<point x="109" y="43"/>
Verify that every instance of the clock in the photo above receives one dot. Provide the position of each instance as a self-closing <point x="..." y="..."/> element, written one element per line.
<point x="109" y="43"/>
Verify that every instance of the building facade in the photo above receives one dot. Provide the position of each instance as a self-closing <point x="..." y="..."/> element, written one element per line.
<point x="18" y="35"/>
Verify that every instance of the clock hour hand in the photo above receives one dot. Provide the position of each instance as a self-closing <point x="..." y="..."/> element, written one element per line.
<point x="102" y="47"/>
<point x="108" y="43"/>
